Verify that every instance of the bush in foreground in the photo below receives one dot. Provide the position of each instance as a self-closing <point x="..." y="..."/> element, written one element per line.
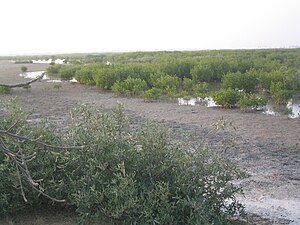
<point x="123" y="176"/>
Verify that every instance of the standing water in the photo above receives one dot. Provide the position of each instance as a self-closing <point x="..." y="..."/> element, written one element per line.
<point x="292" y="108"/>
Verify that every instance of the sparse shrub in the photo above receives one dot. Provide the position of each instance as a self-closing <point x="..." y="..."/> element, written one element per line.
<point x="4" y="90"/>
<point x="57" y="86"/>
<point x="24" y="69"/>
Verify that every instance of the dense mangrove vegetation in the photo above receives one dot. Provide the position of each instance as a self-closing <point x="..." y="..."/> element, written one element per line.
<point x="235" y="78"/>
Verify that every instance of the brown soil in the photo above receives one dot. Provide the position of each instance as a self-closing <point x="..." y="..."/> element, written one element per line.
<point x="267" y="147"/>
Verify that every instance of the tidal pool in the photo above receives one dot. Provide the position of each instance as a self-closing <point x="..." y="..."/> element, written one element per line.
<point x="207" y="101"/>
<point x="44" y="61"/>
<point x="33" y="75"/>
<point x="291" y="109"/>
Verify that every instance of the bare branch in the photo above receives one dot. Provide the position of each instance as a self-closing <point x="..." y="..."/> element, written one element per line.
<point x="23" y="84"/>
<point x="35" y="141"/>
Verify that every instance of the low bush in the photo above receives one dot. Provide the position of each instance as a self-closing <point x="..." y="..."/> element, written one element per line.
<point x="24" y="69"/>
<point x="67" y="72"/>
<point x="86" y="74"/>
<point x="121" y="175"/>
<point x="279" y="93"/>
<point x="227" y="98"/>
<point x="130" y="86"/>
<point x="168" y="83"/>
<point x="152" y="94"/>
<point x="247" y="81"/>
<point x="251" y="102"/>
<point x="4" y="90"/>
<point x="54" y="69"/>
<point x="200" y="89"/>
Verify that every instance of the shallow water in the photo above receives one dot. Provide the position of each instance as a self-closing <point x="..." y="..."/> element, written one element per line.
<point x="207" y="101"/>
<point x="291" y="109"/>
<point x="44" y="61"/>
<point x="33" y="75"/>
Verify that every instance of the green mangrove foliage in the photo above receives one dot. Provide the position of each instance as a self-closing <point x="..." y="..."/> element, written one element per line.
<point x="130" y="86"/>
<point x="251" y="102"/>
<point x="172" y="74"/>
<point x="67" y="72"/>
<point x="227" y="98"/>
<point x="247" y="81"/>
<point x="120" y="175"/>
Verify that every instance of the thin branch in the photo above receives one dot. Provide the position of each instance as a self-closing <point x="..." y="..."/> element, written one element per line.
<point x="35" y="141"/>
<point x="23" y="84"/>
<point x="21" y="185"/>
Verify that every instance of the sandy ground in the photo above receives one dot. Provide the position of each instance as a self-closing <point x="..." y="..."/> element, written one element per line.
<point x="266" y="147"/>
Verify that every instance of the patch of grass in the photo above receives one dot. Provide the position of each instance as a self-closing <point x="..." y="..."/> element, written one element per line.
<point x="4" y="90"/>
<point x="57" y="86"/>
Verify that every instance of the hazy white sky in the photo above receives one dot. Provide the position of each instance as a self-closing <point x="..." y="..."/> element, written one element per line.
<point x="62" y="26"/>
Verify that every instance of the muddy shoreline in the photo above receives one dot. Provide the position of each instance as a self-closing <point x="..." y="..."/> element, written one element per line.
<point x="266" y="147"/>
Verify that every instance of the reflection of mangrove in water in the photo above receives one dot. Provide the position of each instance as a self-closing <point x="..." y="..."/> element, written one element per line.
<point x="292" y="108"/>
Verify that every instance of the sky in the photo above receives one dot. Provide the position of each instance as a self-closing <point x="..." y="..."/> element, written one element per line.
<point x="65" y="26"/>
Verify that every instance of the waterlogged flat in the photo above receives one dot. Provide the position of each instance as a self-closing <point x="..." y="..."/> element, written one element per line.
<point x="291" y="109"/>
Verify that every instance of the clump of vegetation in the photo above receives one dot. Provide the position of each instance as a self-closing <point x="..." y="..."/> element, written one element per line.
<point x="24" y="69"/>
<point x="130" y="86"/>
<point x="57" y="86"/>
<point x="54" y="69"/>
<point x="67" y="72"/>
<point x="247" y="81"/>
<point x="4" y="90"/>
<point x="152" y="94"/>
<point x="251" y="102"/>
<point x="118" y="175"/>
<point x="279" y="93"/>
<point x="227" y="98"/>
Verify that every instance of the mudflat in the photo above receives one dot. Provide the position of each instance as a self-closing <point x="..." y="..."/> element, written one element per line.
<point x="265" y="147"/>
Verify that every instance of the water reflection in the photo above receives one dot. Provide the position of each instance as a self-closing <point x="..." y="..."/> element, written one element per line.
<point x="44" y="61"/>
<point x="33" y="75"/>
<point x="292" y="109"/>
<point x="207" y="101"/>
